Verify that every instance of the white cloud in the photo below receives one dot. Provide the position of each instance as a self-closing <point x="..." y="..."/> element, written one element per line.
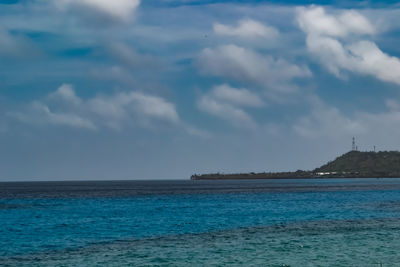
<point x="194" y="131"/>
<point x="121" y="104"/>
<point x="113" y="111"/>
<point x="131" y="58"/>
<point x="66" y="93"/>
<point x="39" y="113"/>
<point x="240" y="97"/>
<point x="237" y="116"/>
<point x="369" y="59"/>
<point x="120" y="9"/>
<point x="314" y="20"/>
<point x="354" y="23"/>
<point x="329" y="122"/>
<point x="332" y="40"/>
<point x="247" y="28"/>
<point x="227" y="103"/>
<point x="382" y="123"/>
<point x="155" y="107"/>
<point x="326" y="121"/>
<point x="243" y="64"/>
<point x="15" y="46"/>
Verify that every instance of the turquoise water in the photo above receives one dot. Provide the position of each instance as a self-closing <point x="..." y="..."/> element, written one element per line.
<point x="260" y="223"/>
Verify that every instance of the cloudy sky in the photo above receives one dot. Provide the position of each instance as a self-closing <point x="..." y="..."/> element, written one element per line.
<point x="130" y="89"/>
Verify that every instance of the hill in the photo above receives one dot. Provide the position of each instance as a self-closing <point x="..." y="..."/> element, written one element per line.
<point x="354" y="164"/>
<point x="364" y="164"/>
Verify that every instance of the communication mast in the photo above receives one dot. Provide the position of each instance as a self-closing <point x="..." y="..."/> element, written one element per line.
<point x="353" y="145"/>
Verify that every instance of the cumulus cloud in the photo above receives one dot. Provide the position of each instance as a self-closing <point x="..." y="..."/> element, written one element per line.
<point x="338" y="43"/>
<point x="122" y="105"/>
<point x="129" y="57"/>
<point x="119" y="9"/>
<point x="326" y="121"/>
<point x="369" y="59"/>
<point x="246" y="28"/>
<point x="238" y="117"/>
<point x="39" y="113"/>
<point x="64" y="107"/>
<point x="315" y="21"/>
<point x="237" y="96"/>
<point x="382" y="125"/>
<point x="329" y="122"/>
<point x="14" y="47"/>
<point x="244" y="64"/>
<point x="66" y="93"/>
<point x="227" y="103"/>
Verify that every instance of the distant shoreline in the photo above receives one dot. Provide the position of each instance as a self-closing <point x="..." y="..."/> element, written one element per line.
<point x="250" y="177"/>
<point x="353" y="164"/>
<point x="290" y="178"/>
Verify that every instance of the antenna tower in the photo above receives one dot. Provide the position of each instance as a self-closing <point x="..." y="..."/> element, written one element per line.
<point x="353" y="145"/>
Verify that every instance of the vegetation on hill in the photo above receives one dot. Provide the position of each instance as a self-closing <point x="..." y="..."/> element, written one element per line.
<point x="365" y="164"/>
<point x="350" y="165"/>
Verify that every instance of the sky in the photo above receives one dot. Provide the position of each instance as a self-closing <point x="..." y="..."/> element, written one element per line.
<point x="131" y="89"/>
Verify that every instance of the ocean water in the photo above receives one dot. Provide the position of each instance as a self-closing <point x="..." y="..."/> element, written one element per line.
<point x="318" y="222"/>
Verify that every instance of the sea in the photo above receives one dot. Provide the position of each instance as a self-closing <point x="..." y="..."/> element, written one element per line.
<point x="293" y="222"/>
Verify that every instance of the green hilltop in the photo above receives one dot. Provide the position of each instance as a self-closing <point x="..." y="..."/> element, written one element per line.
<point x="353" y="164"/>
<point x="365" y="164"/>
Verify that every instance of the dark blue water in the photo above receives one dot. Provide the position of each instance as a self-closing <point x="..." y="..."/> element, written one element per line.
<point x="82" y="218"/>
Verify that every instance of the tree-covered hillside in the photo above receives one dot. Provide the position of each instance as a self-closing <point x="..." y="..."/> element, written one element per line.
<point x="365" y="164"/>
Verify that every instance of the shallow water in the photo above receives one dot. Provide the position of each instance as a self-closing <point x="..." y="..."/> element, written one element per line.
<point x="336" y="222"/>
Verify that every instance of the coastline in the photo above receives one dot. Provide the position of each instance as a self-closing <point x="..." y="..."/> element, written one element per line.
<point x="287" y="176"/>
<point x="353" y="164"/>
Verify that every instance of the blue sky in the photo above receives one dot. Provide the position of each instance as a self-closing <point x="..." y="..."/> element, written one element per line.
<point x="130" y="89"/>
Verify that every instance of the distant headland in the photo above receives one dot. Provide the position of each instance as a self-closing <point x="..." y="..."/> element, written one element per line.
<point x="353" y="164"/>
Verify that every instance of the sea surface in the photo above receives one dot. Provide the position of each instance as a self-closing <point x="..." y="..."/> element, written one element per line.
<point x="313" y="222"/>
